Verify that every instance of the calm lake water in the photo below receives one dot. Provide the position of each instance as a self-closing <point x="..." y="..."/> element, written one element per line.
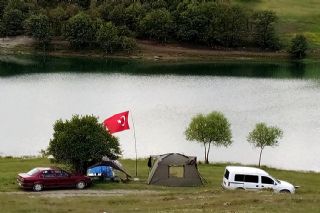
<point x="36" y="91"/>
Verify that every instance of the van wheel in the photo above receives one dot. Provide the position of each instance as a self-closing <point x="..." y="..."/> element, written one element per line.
<point x="81" y="185"/>
<point x="37" y="187"/>
<point x="285" y="191"/>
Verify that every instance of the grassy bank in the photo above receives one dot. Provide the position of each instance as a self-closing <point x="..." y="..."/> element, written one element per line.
<point x="209" y="198"/>
<point x="295" y="16"/>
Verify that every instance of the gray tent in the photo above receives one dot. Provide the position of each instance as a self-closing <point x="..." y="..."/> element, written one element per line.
<point x="174" y="169"/>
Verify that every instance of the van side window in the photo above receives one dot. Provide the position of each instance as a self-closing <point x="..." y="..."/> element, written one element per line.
<point x="226" y="174"/>
<point x="266" y="180"/>
<point x="239" y="178"/>
<point x="251" y="178"/>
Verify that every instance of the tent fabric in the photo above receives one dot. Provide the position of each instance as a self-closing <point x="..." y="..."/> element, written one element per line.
<point x="175" y="169"/>
<point x="105" y="171"/>
<point x="111" y="164"/>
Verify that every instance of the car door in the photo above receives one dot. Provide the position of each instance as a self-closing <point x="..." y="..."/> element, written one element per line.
<point x="251" y="182"/>
<point x="267" y="182"/>
<point x="48" y="178"/>
<point x="63" y="178"/>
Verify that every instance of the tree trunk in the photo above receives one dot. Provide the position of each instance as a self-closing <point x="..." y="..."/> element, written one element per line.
<point x="207" y="154"/>
<point x="260" y="156"/>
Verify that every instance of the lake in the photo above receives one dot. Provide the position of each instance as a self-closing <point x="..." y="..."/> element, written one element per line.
<point x="162" y="98"/>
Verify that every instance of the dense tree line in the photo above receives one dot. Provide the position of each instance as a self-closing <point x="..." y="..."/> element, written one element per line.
<point x="113" y="24"/>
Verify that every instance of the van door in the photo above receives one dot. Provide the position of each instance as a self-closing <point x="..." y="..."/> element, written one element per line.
<point x="251" y="182"/>
<point x="267" y="182"/>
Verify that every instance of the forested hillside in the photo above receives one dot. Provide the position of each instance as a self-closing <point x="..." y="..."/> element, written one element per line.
<point x="113" y="25"/>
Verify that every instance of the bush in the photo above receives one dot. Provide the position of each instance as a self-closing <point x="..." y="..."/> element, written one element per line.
<point x="298" y="47"/>
<point x="13" y="22"/>
<point x="107" y="37"/>
<point x="80" y="31"/>
<point x="157" y="25"/>
<point x="264" y="33"/>
<point x="38" y="26"/>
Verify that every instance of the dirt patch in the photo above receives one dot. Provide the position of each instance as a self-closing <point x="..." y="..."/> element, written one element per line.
<point x="83" y="193"/>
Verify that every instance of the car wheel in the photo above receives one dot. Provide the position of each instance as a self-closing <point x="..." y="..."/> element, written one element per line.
<point x="81" y="185"/>
<point x="285" y="191"/>
<point x="37" y="187"/>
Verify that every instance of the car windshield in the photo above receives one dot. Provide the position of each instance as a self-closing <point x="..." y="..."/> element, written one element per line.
<point x="33" y="171"/>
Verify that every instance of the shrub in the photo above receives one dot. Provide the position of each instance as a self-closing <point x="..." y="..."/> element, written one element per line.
<point x="298" y="47"/>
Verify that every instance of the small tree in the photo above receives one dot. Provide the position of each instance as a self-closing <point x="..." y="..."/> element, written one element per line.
<point x="264" y="32"/>
<point x="81" y="140"/>
<point x="299" y="46"/>
<point x="157" y="25"/>
<point x="38" y="26"/>
<point x="209" y="129"/>
<point x="263" y="136"/>
<point x="79" y="31"/>
<point x="107" y="37"/>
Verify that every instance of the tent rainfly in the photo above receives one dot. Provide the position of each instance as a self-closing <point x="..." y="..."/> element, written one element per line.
<point x="174" y="169"/>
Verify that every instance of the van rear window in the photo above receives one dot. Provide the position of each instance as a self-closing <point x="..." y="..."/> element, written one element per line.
<point x="226" y="174"/>
<point x="246" y="178"/>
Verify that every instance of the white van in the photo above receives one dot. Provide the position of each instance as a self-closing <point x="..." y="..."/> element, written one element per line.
<point x="249" y="178"/>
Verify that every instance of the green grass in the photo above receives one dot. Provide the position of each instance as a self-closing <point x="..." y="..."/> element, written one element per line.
<point x="208" y="198"/>
<point x="295" y="17"/>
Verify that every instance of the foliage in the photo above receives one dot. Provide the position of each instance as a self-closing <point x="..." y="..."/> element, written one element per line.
<point x="107" y="37"/>
<point x="82" y="139"/>
<point x="39" y="28"/>
<point x="57" y="17"/>
<point x="211" y="23"/>
<point x="264" y="32"/>
<point x="13" y="22"/>
<point x="213" y="128"/>
<point x="157" y="25"/>
<point x="79" y="31"/>
<point x="262" y="136"/>
<point x="298" y="47"/>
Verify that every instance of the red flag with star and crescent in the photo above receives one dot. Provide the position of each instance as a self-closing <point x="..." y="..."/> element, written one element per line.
<point x="117" y="122"/>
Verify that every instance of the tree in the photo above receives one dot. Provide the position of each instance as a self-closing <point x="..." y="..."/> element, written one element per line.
<point x="38" y="26"/>
<point x="299" y="46"/>
<point x="107" y="37"/>
<point x="264" y="33"/>
<point x="12" y="22"/>
<point x="209" y="129"/>
<point x="79" y="31"/>
<point x="263" y="136"/>
<point x="157" y="25"/>
<point x="81" y="140"/>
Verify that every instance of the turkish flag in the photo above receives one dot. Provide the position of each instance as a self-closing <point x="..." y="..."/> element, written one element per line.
<point x="117" y="122"/>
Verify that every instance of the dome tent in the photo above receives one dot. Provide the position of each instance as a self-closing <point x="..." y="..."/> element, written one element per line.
<point x="174" y="169"/>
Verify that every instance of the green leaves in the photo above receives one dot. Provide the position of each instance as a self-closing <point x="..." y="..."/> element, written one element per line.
<point x="263" y="136"/>
<point x="209" y="129"/>
<point x="38" y="26"/>
<point x="298" y="47"/>
<point x="80" y="140"/>
<point x="79" y="31"/>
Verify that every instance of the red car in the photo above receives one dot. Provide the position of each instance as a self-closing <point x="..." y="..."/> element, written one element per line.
<point x="40" y="178"/>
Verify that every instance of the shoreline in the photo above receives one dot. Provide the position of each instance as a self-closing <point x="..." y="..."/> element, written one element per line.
<point x="146" y="51"/>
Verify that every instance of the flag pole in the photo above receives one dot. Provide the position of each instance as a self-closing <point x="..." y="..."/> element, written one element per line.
<point x="135" y="144"/>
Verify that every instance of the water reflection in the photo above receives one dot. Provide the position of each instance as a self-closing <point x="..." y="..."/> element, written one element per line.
<point x="17" y="65"/>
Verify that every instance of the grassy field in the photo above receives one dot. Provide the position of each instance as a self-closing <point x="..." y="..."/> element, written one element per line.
<point x="208" y="198"/>
<point x="295" y="16"/>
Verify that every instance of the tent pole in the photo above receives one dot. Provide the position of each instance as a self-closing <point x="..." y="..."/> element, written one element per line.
<point x="135" y="144"/>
